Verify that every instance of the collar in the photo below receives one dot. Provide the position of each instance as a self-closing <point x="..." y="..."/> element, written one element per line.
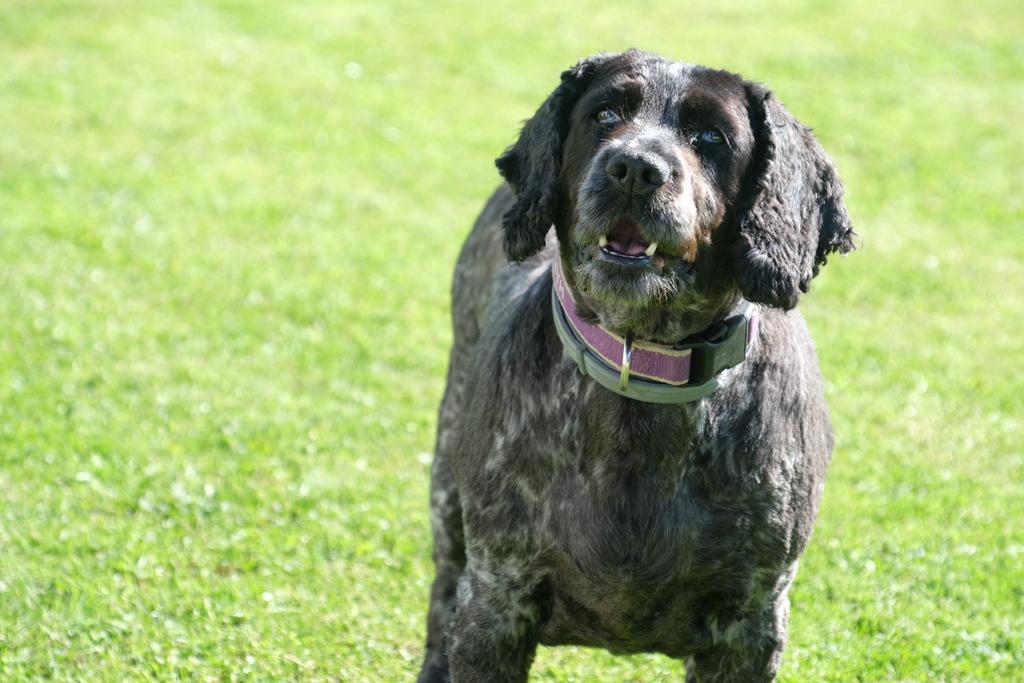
<point x="645" y="371"/>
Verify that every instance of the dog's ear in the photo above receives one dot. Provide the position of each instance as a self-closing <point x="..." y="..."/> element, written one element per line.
<point x="531" y="166"/>
<point x="796" y="216"/>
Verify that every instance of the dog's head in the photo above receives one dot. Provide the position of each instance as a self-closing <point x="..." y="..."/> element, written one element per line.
<point x="673" y="189"/>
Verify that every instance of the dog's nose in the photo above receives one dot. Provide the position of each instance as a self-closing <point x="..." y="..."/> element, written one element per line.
<point x="637" y="174"/>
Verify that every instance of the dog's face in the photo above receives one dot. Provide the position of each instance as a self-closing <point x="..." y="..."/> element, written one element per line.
<point x="674" y="189"/>
<point x="654" y="160"/>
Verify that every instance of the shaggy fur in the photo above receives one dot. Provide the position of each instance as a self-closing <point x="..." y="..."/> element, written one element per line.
<point x="565" y="514"/>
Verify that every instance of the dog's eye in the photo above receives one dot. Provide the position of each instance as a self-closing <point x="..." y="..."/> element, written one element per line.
<point x="606" y="117"/>
<point x="712" y="135"/>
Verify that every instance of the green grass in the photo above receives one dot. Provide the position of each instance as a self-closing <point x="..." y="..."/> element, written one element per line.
<point x="226" y="235"/>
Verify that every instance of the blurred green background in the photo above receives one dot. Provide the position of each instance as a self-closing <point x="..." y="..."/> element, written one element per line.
<point x="226" y="236"/>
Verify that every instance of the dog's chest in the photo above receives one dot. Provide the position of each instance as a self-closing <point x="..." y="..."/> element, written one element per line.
<point x="635" y="569"/>
<point x="637" y="549"/>
<point x="621" y="487"/>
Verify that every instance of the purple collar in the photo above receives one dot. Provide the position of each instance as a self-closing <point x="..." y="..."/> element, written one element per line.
<point x="645" y="371"/>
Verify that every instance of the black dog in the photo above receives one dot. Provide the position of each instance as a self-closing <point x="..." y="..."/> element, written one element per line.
<point x="624" y="508"/>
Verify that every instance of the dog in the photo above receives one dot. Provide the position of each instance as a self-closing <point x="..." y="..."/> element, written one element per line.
<point x="632" y="444"/>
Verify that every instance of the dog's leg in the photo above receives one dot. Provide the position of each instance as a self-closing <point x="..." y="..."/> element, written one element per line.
<point x="449" y="543"/>
<point x="494" y="635"/>
<point x="753" y="654"/>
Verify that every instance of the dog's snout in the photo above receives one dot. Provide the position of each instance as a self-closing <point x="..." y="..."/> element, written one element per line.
<point x="637" y="174"/>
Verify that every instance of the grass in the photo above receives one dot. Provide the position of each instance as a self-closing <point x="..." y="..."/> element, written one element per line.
<point x="226" y="236"/>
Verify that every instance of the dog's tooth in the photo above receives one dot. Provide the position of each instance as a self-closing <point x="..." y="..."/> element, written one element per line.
<point x="602" y="241"/>
<point x="651" y="249"/>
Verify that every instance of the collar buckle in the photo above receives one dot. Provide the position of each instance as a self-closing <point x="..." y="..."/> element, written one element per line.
<point x="708" y="358"/>
<point x="627" y="356"/>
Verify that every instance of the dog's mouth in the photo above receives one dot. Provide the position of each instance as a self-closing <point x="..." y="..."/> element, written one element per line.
<point x="624" y="266"/>
<point x="624" y="245"/>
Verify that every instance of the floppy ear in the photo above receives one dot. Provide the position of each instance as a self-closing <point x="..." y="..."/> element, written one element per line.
<point x="531" y="166"/>
<point x="797" y="216"/>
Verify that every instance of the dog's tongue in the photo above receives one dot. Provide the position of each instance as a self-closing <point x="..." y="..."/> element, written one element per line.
<point x="625" y="238"/>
